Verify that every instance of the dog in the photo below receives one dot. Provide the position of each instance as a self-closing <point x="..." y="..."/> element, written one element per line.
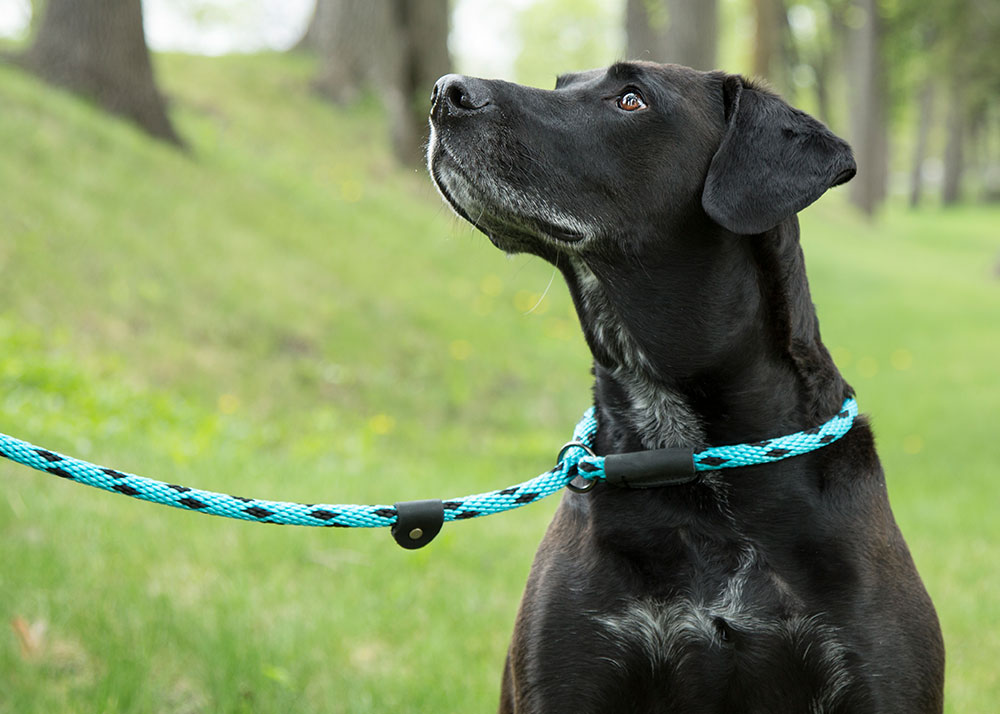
<point x="667" y="198"/>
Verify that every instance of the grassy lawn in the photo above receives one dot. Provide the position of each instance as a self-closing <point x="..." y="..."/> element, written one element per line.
<point x="283" y="314"/>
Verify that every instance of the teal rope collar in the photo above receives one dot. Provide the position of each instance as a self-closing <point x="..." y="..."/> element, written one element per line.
<point x="415" y="523"/>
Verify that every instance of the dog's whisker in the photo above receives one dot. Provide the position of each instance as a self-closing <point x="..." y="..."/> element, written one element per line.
<point x="544" y="293"/>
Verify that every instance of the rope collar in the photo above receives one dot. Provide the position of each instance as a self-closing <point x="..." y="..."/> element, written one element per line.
<point x="674" y="466"/>
<point x="415" y="523"/>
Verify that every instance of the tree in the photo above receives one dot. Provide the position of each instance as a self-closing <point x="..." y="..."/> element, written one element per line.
<point x="954" y="154"/>
<point x="310" y="40"/>
<point x="868" y="116"/>
<point x="398" y="47"/>
<point x="946" y="49"/>
<point x="97" y="48"/>
<point x="925" y="114"/>
<point x="973" y="82"/>
<point x="816" y="44"/>
<point x="645" y="30"/>
<point x="681" y="31"/>
<point x="769" y="56"/>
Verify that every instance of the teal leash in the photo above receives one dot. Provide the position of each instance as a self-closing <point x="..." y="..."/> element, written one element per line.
<point x="415" y="523"/>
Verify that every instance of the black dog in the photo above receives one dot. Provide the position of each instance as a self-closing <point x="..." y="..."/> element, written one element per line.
<point x="667" y="198"/>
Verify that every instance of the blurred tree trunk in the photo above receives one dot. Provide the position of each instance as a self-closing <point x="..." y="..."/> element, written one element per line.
<point x="822" y="52"/>
<point x="37" y="11"/>
<point x="991" y="155"/>
<point x="309" y="42"/>
<point x="954" y="156"/>
<point x="869" y="132"/>
<point x="97" y="48"/>
<point x="681" y="31"/>
<point x="822" y="72"/>
<point x="397" y="47"/>
<point x="423" y="28"/>
<point x="692" y="32"/>
<point x="767" y="46"/>
<point x="646" y="30"/>
<point x="925" y="110"/>
<point x="356" y="42"/>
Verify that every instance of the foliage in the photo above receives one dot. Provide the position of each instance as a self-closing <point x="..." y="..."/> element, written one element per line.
<point x="283" y="314"/>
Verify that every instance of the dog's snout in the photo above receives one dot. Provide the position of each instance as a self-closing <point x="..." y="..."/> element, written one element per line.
<point x="456" y="94"/>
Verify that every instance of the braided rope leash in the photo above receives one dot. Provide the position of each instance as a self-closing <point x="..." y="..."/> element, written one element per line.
<point x="415" y="523"/>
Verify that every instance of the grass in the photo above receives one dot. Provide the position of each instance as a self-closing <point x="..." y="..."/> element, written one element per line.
<point x="284" y="314"/>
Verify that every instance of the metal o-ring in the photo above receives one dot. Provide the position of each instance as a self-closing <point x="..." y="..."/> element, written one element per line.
<point x="588" y="484"/>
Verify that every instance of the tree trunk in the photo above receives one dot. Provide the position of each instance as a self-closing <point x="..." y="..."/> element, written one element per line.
<point x="37" y="11"/>
<point x="645" y="30"/>
<point x="680" y="31"/>
<point x="399" y="47"/>
<point x="925" y="109"/>
<point x="692" y="32"/>
<point x="822" y="70"/>
<point x="954" y="158"/>
<point x="97" y="48"/>
<point x="991" y="157"/>
<point x="357" y="43"/>
<point x="309" y="42"/>
<point x="767" y="53"/>
<point x="423" y="29"/>
<point x="868" y="110"/>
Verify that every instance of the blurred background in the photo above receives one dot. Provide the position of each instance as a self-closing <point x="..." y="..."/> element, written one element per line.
<point x="222" y="264"/>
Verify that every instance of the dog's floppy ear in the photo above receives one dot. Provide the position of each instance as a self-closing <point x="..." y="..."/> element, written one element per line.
<point x="773" y="161"/>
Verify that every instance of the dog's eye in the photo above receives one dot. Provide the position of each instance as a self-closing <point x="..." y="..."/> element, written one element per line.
<point x="631" y="101"/>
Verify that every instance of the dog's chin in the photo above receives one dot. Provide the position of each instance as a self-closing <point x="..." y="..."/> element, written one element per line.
<point x="507" y="229"/>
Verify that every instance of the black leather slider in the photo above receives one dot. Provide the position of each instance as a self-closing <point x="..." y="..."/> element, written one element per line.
<point x="649" y="469"/>
<point x="417" y="522"/>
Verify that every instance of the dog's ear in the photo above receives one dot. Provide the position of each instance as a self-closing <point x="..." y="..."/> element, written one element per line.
<point x="773" y="161"/>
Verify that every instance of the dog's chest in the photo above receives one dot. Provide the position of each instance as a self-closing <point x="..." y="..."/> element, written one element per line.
<point x="751" y="629"/>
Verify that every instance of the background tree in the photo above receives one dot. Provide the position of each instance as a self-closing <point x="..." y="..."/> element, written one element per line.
<point x="397" y="47"/>
<point x="868" y="88"/>
<point x="770" y="49"/>
<point x="646" y="29"/>
<point x="972" y="76"/>
<point x="681" y="31"/>
<point x="97" y="48"/>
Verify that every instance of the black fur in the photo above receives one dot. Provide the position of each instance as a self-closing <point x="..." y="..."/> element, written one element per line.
<point x="777" y="588"/>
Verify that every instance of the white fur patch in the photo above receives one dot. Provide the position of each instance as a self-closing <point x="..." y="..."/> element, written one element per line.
<point x="666" y="632"/>
<point x="513" y="204"/>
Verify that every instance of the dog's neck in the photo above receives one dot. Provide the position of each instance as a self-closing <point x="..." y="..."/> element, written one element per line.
<point x="713" y="341"/>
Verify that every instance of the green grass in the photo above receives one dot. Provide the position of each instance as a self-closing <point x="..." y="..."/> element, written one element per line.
<point x="283" y="314"/>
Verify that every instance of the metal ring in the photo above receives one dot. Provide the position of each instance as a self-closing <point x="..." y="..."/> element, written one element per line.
<point x="588" y="484"/>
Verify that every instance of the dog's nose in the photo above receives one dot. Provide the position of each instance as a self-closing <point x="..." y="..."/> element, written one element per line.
<point x="457" y="94"/>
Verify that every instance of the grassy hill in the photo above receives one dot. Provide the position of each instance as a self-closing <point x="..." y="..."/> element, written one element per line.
<point x="282" y="313"/>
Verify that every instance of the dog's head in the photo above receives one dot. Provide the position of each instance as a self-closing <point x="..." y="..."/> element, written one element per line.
<point x="613" y="157"/>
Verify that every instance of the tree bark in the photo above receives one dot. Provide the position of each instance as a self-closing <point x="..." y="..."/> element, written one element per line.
<point x="869" y="131"/>
<point x="398" y="47"/>
<point x="645" y="30"/>
<point x="822" y="70"/>
<point x="767" y="38"/>
<point x="423" y="31"/>
<point x="954" y="156"/>
<point x="692" y="32"/>
<point x="925" y="109"/>
<point x="358" y="45"/>
<point x="97" y="48"/>
<point x="680" y="31"/>
<point x="309" y="42"/>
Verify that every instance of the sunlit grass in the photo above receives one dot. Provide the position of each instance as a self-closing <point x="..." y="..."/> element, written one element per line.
<point x="283" y="314"/>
